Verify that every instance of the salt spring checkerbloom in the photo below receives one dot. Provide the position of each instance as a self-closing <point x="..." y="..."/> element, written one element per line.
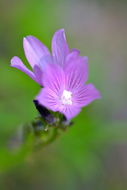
<point x="38" y="55"/>
<point x="64" y="90"/>
<point x="62" y="74"/>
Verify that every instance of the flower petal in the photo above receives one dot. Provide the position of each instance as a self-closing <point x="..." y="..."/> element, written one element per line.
<point x="34" y="50"/>
<point x="38" y="74"/>
<point x="53" y="77"/>
<point x="70" y="111"/>
<point x="72" y="56"/>
<point x="85" y="95"/>
<point x="48" y="98"/>
<point x="17" y="63"/>
<point x="39" y="69"/>
<point x="44" y="61"/>
<point x="53" y="82"/>
<point x="76" y="73"/>
<point x="59" y="47"/>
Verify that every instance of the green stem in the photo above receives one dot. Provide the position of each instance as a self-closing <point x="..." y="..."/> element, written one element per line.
<point x="53" y="137"/>
<point x="54" y="134"/>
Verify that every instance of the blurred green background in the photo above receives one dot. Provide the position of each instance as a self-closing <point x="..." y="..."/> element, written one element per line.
<point x="91" y="155"/>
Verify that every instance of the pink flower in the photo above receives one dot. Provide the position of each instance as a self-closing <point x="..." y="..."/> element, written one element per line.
<point x="63" y="75"/>
<point x="64" y="90"/>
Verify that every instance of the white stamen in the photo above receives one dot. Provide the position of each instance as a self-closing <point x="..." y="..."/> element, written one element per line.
<point x="66" y="97"/>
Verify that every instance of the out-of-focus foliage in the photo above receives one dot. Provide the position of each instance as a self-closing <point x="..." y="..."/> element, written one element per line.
<point x="92" y="153"/>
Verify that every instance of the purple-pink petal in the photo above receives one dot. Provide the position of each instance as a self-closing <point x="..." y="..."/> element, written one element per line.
<point x="85" y="95"/>
<point x="38" y="74"/>
<point x="70" y="111"/>
<point x="34" y="50"/>
<point x="72" y="56"/>
<point x="44" y="61"/>
<point x="48" y="98"/>
<point x="76" y="73"/>
<point x="17" y="63"/>
<point x="53" y="77"/>
<point x="59" y="47"/>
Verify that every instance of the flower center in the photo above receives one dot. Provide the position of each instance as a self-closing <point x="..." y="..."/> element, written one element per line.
<point x="66" y="97"/>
